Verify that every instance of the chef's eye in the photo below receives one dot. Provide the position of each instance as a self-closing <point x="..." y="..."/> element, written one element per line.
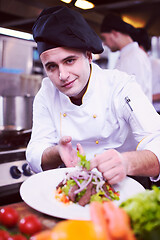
<point x="51" y="67"/>
<point x="70" y="61"/>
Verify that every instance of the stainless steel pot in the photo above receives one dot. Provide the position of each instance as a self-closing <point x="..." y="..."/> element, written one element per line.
<point x="15" y="113"/>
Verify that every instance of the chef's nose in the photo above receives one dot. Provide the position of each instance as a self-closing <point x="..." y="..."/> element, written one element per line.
<point x="63" y="74"/>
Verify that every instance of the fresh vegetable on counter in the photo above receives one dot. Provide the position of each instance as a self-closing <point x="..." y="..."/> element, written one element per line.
<point x="12" y="227"/>
<point x="4" y="235"/>
<point x="97" y="214"/>
<point x="30" y="225"/>
<point x="106" y="222"/>
<point x="114" y="221"/>
<point x="9" y="216"/>
<point x="144" y="212"/>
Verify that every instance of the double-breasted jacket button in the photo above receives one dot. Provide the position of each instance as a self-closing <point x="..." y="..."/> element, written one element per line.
<point x="64" y="114"/>
<point x="94" y="115"/>
<point x="97" y="141"/>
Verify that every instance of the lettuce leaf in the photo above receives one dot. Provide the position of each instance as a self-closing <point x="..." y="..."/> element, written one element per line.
<point x="144" y="211"/>
<point x="68" y="185"/>
<point x="97" y="197"/>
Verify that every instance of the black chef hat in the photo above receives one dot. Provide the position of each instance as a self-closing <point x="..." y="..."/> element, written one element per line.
<point x="62" y="27"/>
<point x="114" y="22"/>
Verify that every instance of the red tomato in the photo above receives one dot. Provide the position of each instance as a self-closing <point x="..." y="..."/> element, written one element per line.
<point x="17" y="237"/>
<point x="4" y="235"/>
<point x="30" y="225"/>
<point x="9" y="216"/>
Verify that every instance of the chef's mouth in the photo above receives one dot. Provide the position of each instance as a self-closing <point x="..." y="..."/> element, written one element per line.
<point x="68" y="83"/>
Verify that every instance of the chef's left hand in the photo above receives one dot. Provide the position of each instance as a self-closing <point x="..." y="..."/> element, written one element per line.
<point x="67" y="153"/>
<point x="111" y="164"/>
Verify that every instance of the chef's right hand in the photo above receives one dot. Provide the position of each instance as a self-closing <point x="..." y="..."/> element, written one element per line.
<point x="112" y="164"/>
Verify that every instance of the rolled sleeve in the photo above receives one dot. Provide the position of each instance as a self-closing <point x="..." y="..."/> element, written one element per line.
<point x="152" y="144"/>
<point x="34" y="155"/>
<point x="43" y="130"/>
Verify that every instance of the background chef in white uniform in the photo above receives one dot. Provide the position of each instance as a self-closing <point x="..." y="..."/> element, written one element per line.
<point x="117" y="35"/>
<point x="81" y="106"/>
<point x="144" y="40"/>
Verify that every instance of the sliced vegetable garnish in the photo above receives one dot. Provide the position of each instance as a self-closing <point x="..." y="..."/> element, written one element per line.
<point x="83" y="186"/>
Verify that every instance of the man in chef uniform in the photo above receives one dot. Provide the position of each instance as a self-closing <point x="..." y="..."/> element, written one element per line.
<point x="118" y="36"/>
<point x="102" y="113"/>
<point x="144" y="41"/>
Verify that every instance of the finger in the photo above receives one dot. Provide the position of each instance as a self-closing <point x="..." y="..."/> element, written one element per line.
<point x="98" y="160"/>
<point x="114" y="180"/>
<point x="80" y="149"/>
<point x="94" y="163"/>
<point x="113" y="177"/>
<point x="65" y="139"/>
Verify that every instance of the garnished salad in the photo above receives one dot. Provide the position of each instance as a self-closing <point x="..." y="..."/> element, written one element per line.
<point x="83" y="186"/>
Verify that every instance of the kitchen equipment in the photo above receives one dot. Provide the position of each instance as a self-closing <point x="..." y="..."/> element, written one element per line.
<point x="14" y="169"/>
<point x="16" y="100"/>
<point x="15" y="121"/>
<point x="15" y="113"/>
<point x="13" y="165"/>
<point x="14" y="139"/>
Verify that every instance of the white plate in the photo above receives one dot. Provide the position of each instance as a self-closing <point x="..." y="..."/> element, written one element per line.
<point x="39" y="189"/>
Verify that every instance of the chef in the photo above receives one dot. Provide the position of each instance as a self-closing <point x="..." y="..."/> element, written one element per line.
<point x="101" y="113"/>
<point x="118" y="35"/>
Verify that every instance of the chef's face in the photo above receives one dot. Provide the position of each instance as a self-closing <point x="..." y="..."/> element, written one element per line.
<point x="68" y="69"/>
<point x="109" y="40"/>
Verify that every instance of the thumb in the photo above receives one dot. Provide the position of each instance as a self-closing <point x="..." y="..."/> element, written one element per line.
<point x="94" y="163"/>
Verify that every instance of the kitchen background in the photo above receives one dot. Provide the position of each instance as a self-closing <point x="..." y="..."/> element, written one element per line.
<point x="21" y="71"/>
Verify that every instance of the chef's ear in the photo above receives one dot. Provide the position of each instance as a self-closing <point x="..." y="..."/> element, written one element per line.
<point x="89" y="56"/>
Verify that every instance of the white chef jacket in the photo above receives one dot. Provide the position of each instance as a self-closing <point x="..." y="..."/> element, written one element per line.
<point x="155" y="63"/>
<point x="133" y="60"/>
<point x="114" y="109"/>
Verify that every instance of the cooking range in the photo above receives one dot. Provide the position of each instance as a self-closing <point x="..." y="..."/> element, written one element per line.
<point x="17" y="93"/>
<point x="14" y="168"/>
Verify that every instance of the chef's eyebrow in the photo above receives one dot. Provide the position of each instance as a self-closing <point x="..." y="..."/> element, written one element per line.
<point x="69" y="57"/>
<point x="63" y="60"/>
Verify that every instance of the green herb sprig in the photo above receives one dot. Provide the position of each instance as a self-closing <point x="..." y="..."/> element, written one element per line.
<point x="84" y="163"/>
